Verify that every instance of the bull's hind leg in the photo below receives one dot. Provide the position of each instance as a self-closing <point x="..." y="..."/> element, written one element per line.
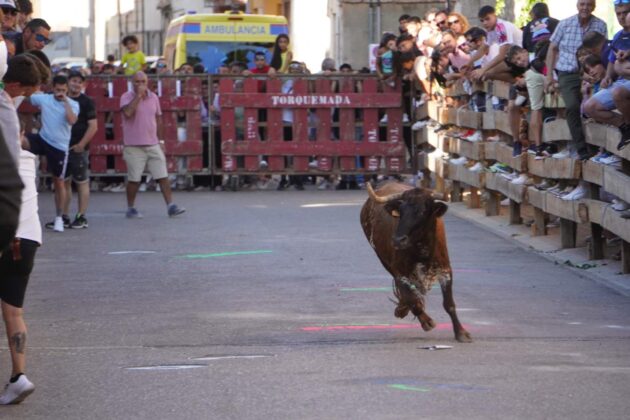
<point x="446" y="283"/>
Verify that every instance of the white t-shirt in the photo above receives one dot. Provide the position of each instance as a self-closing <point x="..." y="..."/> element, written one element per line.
<point x="29" y="226"/>
<point x="10" y="125"/>
<point x="505" y="33"/>
<point x="287" y="114"/>
<point x="4" y="56"/>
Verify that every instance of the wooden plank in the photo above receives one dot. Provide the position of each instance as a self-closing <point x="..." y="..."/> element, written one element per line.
<point x="515" y="213"/>
<point x="512" y="191"/>
<point x="439" y="141"/>
<point x="595" y="134"/>
<point x="536" y="198"/>
<point x="556" y="130"/>
<point x="617" y="183"/>
<point x="502" y="122"/>
<point x="493" y="204"/>
<point x="554" y="168"/>
<point x="500" y="89"/>
<point x="539" y="228"/>
<point x="462" y="174"/>
<point x="469" y="119"/>
<point x="593" y="172"/>
<point x="503" y="153"/>
<point x="490" y="149"/>
<point x="474" y="201"/>
<point x="489" y="121"/>
<point x="469" y="149"/>
<point x="568" y="233"/>
<point x="613" y="136"/>
<point x="562" y="208"/>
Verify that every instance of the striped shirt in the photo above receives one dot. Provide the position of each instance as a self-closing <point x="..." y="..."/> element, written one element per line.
<point x="568" y="37"/>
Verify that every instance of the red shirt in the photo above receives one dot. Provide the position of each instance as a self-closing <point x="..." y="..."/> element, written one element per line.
<point x="264" y="70"/>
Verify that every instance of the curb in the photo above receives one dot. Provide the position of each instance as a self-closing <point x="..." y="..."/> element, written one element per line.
<point x="607" y="272"/>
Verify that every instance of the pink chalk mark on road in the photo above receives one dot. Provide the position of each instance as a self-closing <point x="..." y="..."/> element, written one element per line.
<point x="439" y="327"/>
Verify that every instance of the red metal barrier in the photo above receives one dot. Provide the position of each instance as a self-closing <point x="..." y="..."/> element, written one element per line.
<point x="107" y="145"/>
<point x="347" y="146"/>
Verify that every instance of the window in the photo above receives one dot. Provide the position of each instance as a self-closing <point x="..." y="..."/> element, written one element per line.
<point x="216" y="54"/>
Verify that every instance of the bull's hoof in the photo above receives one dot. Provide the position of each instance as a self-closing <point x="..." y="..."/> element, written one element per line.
<point x="427" y="324"/>
<point x="463" y="336"/>
<point x="401" y="311"/>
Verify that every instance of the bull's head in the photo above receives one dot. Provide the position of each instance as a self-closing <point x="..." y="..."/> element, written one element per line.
<point x="416" y="210"/>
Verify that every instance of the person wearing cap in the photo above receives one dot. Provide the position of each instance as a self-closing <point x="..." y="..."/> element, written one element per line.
<point x="82" y="133"/>
<point x="36" y="36"/>
<point x="10" y="14"/>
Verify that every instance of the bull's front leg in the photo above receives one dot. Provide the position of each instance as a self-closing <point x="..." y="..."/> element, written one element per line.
<point x="446" y="283"/>
<point x="411" y="299"/>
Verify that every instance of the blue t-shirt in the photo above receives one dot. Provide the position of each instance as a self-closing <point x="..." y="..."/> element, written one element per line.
<point x="55" y="129"/>
<point x="620" y="42"/>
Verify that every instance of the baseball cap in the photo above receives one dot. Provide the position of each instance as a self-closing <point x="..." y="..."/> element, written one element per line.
<point x="10" y="4"/>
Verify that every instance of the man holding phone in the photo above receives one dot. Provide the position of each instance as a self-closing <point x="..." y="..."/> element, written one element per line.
<point x="59" y="113"/>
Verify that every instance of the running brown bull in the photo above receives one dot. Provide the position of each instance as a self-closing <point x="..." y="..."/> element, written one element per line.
<point x="404" y="226"/>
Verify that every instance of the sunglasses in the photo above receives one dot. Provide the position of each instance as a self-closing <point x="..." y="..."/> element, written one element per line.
<point x="442" y="22"/>
<point x="453" y="22"/>
<point x="42" y="38"/>
<point x="620" y="2"/>
<point x="9" y="11"/>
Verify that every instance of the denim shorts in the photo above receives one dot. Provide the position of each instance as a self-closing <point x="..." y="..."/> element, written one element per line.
<point x="605" y="96"/>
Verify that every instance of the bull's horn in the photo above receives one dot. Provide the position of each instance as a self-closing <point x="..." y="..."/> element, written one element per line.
<point x="441" y="201"/>
<point x="380" y="199"/>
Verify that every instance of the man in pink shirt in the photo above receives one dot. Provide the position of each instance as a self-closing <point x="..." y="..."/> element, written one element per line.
<point x="142" y="134"/>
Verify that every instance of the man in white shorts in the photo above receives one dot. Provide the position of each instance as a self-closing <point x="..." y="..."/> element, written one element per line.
<point x="142" y="127"/>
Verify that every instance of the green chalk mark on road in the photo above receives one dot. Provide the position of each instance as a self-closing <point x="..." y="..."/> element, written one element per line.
<point x="365" y="289"/>
<point x="224" y="254"/>
<point x="408" y="388"/>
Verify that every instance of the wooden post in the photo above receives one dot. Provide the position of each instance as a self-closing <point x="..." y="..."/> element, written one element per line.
<point x="456" y="192"/>
<point x="596" y="250"/>
<point x="625" y="257"/>
<point x="439" y="186"/>
<point x="475" y="198"/>
<point x="515" y="213"/>
<point x="568" y="233"/>
<point x="540" y="223"/>
<point x="493" y="205"/>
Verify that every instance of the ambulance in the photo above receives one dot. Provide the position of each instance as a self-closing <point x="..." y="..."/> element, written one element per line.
<point x="216" y="40"/>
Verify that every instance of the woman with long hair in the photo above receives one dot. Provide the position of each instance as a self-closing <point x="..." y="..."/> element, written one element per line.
<point x="282" y="55"/>
<point x="459" y="25"/>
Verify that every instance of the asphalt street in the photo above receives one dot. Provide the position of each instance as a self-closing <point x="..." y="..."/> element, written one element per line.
<point x="272" y="305"/>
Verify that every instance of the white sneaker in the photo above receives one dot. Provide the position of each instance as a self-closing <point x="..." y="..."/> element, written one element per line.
<point x="262" y="164"/>
<point x="15" y="393"/>
<point x="313" y="164"/>
<point x="511" y="176"/>
<point x="476" y="136"/>
<point x="384" y="119"/>
<point x="522" y="179"/>
<point x="576" y="194"/>
<point x="118" y="188"/>
<point x="58" y="226"/>
<point x="418" y="125"/>
<point x="620" y="205"/>
<point x="324" y="185"/>
<point x="477" y="167"/>
<point x="610" y="160"/>
<point x="405" y="118"/>
<point x="494" y="138"/>
<point x="562" y="155"/>
<point x="143" y="187"/>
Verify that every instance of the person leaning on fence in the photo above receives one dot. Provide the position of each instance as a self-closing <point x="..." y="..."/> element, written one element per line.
<point x="133" y="60"/>
<point x="142" y="138"/>
<point x="565" y="41"/>
<point x="295" y="68"/>
<point x="36" y="36"/>
<point x="615" y="92"/>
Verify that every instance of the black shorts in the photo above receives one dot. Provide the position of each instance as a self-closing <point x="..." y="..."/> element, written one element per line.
<point x="56" y="160"/>
<point x="77" y="168"/>
<point x="14" y="274"/>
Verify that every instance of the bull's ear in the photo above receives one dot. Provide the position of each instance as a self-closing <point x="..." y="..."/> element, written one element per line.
<point x="392" y="207"/>
<point x="439" y="208"/>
